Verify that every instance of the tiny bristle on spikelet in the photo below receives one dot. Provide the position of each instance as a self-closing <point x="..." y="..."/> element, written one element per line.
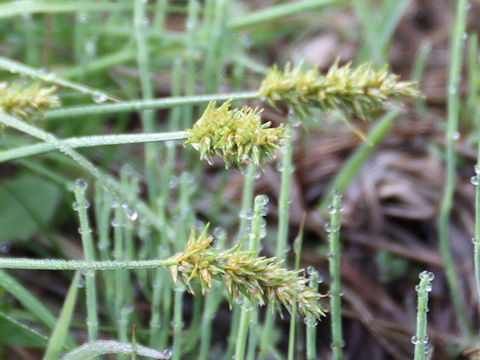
<point x="26" y="101"/>
<point x="237" y="135"/>
<point x="359" y="91"/>
<point x="262" y="280"/>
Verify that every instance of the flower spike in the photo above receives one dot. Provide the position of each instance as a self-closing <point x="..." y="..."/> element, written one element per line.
<point x="262" y="280"/>
<point x="358" y="91"/>
<point x="236" y="135"/>
<point x="25" y="101"/>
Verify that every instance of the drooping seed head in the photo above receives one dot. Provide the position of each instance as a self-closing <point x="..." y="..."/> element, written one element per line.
<point x="359" y="91"/>
<point x="262" y="280"/>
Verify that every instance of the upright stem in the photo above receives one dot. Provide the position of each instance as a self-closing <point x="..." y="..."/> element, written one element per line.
<point x="475" y="180"/>
<point x="282" y="238"/>
<point x="89" y="253"/>
<point x="334" y="267"/>
<point x="247" y="198"/>
<point x="450" y="172"/>
<point x="311" y="322"/>
<point x="247" y="307"/>
<point x="140" y="15"/>
<point x="421" y="338"/>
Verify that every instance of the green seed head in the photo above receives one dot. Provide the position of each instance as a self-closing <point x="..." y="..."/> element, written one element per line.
<point x="359" y="91"/>
<point x="236" y="135"/>
<point x="262" y="280"/>
<point x="26" y="101"/>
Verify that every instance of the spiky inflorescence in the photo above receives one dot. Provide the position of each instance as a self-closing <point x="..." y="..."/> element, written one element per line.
<point x="359" y="91"/>
<point x="236" y="135"/>
<point x="26" y="101"/>
<point x="262" y="280"/>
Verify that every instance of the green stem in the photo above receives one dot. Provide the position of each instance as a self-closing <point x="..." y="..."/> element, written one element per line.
<point x="17" y="67"/>
<point x="247" y="198"/>
<point x="90" y="141"/>
<point x="89" y="253"/>
<point x="85" y="265"/>
<point x="178" y="323"/>
<point x="277" y="12"/>
<point x="247" y="307"/>
<point x="33" y="131"/>
<point x="348" y="173"/>
<point x="334" y="267"/>
<point x="450" y="172"/>
<point x="475" y="180"/>
<point x="151" y="161"/>
<point x="297" y="247"/>
<point x="282" y="237"/>
<point x="137" y="105"/>
<point x="421" y="338"/>
<point x="311" y="322"/>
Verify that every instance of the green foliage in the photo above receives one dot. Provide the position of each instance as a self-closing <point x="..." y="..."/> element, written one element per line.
<point x="27" y="204"/>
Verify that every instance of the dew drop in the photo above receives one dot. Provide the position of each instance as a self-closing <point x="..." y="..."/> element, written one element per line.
<point x="167" y="353"/>
<point x="130" y="213"/>
<point x="115" y="223"/>
<point x="173" y="182"/>
<point x="311" y="270"/>
<point x="456" y="135"/>
<point x="83" y="18"/>
<point x="414" y="340"/>
<point x="331" y="209"/>
<point x="465" y="36"/>
<point x="50" y="76"/>
<point x="452" y="90"/>
<point x="474" y="241"/>
<point x="75" y="206"/>
<point x="82" y="184"/>
<point x="99" y="97"/>
<point x="328" y="227"/>
<point x="90" y="49"/>
<point x="476" y="168"/>
<point x="5" y="248"/>
<point x="474" y="180"/>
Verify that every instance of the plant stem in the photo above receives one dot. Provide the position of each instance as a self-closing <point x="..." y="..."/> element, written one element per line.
<point x="17" y="67"/>
<point x="60" y="332"/>
<point x="350" y="169"/>
<point x="178" y="323"/>
<point x="277" y="12"/>
<point x="297" y="247"/>
<point x="282" y="238"/>
<point x="151" y="161"/>
<point x="311" y="323"/>
<point x="247" y="307"/>
<point x="85" y="265"/>
<point x="421" y="338"/>
<point x="89" y="254"/>
<point x="475" y="180"/>
<point x="247" y="198"/>
<point x="334" y="267"/>
<point x="137" y="105"/>
<point x="22" y="126"/>
<point x="90" y="141"/>
<point x="449" y="186"/>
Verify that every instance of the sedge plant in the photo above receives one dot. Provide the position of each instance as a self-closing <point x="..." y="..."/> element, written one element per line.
<point x="237" y="135"/>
